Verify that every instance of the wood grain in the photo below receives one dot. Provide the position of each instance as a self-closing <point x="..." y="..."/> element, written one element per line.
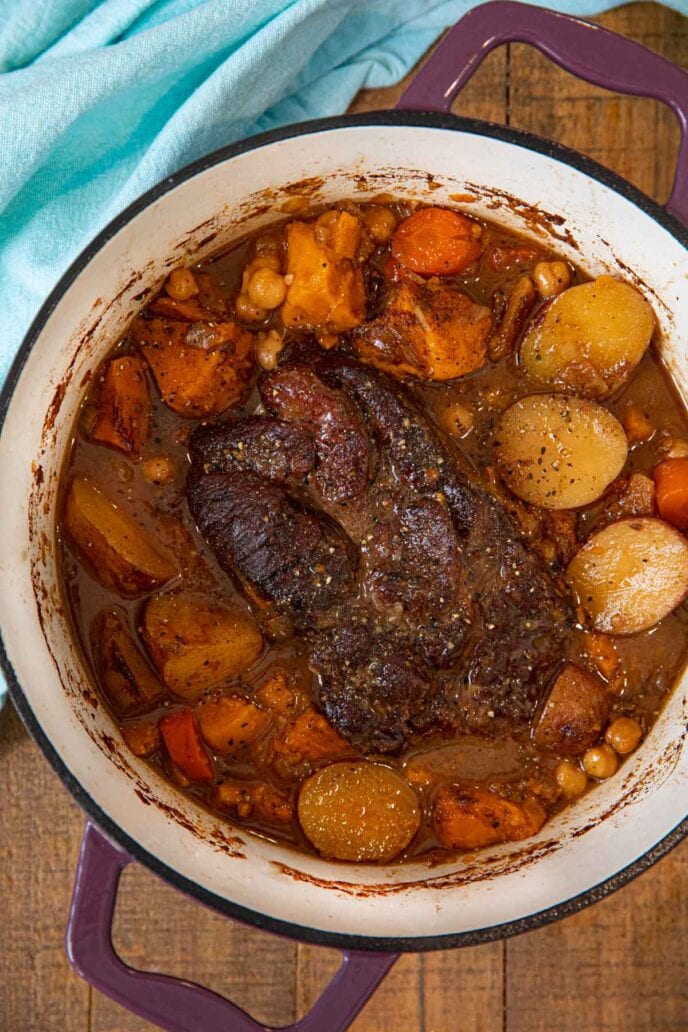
<point x="40" y="830"/>
<point x="638" y="138"/>
<point x="617" y="967"/>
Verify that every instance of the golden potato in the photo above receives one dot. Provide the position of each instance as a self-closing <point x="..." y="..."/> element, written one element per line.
<point x="559" y="452"/>
<point x="118" y="552"/>
<point x="630" y="575"/>
<point x="590" y="338"/>
<point x="358" y="811"/>
<point x="196" y="644"/>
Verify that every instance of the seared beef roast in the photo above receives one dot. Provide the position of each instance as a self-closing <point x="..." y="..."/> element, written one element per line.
<point x="445" y="618"/>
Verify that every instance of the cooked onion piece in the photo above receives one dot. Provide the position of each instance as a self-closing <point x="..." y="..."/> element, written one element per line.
<point x="358" y="811"/>
<point x="559" y="452"/>
<point x="631" y="575"/>
<point x="590" y="338"/>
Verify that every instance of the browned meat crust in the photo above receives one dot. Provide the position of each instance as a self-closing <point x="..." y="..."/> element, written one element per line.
<point x="343" y="452"/>
<point x="447" y="618"/>
<point x="287" y="555"/>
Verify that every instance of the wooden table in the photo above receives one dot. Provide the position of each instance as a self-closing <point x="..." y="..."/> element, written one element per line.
<point x="620" y="966"/>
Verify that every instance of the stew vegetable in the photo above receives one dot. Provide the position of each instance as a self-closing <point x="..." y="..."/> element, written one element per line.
<point x="372" y="531"/>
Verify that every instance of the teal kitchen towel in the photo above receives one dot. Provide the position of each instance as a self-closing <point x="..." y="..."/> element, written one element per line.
<point x="98" y="101"/>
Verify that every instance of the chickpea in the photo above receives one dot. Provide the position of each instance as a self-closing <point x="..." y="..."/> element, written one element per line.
<point x="624" y="734"/>
<point x="600" y="762"/>
<point x="267" y="289"/>
<point x="551" y="278"/>
<point x="268" y="349"/>
<point x="247" y="311"/>
<point x="571" y="779"/>
<point x="381" y="223"/>
<point x="181" y="284"/>
<point x="159" y="469"/>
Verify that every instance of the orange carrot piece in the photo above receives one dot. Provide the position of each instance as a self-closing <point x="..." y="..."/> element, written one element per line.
<point x="123" y="406"/>
<point x="671" y="481"/>
<point x="183" y="741"/>
<point x="436" y="242"/>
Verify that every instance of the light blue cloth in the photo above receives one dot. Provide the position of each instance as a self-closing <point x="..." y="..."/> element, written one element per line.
<point x="98" y="101"/>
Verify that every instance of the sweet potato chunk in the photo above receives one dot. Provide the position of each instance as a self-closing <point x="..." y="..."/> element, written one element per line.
<point x="118" y="552"/>
<point x="311" y="737"/>
<point x="230" y="722"/>
<point x="196" y="644"/>
<point x="278" y="697"/>
<point x="125" y="677"/>
<point x="142" y="739"/>
<point x="432" y="331"/>
<point x="123" y="411"/>
<point x="257" y="800"/>
<point x="327" y="291"/>
<point x="468" y="817"/>
<point x="574" y="713"/>
<point x="599" y="648"/>
<point x="201" y="368"/>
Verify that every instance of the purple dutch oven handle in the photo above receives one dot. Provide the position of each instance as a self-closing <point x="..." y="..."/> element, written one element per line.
<point x="586" y="50"/>
<point x="173" y="1003"/>
<point x="593" y="54"/>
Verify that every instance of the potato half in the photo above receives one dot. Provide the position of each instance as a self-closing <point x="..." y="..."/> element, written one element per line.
<point x="631" y="575"/>
<point x="358" y="811"/>
<point x="197" y="644"/>
<point x="590" y="338"/>
<point x="559" y="452"/>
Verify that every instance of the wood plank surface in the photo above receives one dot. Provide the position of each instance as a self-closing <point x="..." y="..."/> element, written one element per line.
<point x="617" y="967"/>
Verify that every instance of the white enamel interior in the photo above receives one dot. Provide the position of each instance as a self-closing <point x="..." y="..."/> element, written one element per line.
<point x="608" y="229"/>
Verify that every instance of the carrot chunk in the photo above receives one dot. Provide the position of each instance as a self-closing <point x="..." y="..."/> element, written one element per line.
<point x="671" y="481"/>
<point x="183" y="741"/>
<point x="123" y="406"/>
<point x="436" y="242"/>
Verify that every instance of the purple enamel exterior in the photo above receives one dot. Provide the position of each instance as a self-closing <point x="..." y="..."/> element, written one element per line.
<point x="586" y="50"/>
<point x="591" y="53"/>
<point x="173" y="1003"/>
